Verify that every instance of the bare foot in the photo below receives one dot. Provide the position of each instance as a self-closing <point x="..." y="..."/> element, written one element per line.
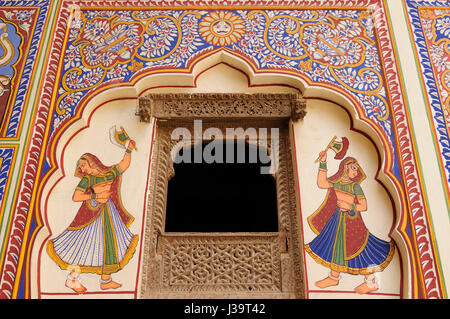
<point x="76" y="286"/>
<point x="366" y="288"/>
<point x="327" y="282"/>
<point x="110" y="285"/>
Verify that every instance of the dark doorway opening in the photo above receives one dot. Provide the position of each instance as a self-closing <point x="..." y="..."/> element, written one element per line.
<point x="223" y="196"/>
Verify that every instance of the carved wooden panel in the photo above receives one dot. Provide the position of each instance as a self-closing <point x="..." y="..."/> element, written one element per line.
<point x="225" y="264"/>
<point x="221" y="263"/>
<point x="229" y="106"/>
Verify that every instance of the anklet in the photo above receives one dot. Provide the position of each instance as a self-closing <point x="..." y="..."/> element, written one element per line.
<point x="71" y="278"/>
<point x="103" y="281"/>
<point x="370" y="282"/>
<point x="334" y="278"/>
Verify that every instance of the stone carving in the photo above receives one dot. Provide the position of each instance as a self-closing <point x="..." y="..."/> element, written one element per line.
<point x="288" y="213"/>
<point x="216" y="264"/>
<point x="240" y="263"/>
<point x="156" y="207"/>
<point x="231" y="106"/>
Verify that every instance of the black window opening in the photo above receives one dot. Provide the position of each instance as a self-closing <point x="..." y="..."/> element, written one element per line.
<point x="222" y="197"/>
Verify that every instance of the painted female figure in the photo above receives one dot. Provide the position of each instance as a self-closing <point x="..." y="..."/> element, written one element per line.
<point x="98" y="239"/>
<point x="343" y="242"/>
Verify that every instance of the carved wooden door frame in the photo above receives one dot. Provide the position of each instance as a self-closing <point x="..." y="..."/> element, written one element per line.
<point x="222" y="265"/>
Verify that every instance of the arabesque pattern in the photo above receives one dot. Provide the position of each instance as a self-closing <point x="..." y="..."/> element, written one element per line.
<point x="430" y="26"/>
<point x="222" y="264"/>
<point x="326" y="46"/>
<point x="27" y="18"/>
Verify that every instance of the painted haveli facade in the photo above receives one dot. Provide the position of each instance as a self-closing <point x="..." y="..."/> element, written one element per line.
<point x="373" y="71"/>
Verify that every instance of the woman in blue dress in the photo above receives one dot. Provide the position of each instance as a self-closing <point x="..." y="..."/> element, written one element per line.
<point x="343" y="242"/>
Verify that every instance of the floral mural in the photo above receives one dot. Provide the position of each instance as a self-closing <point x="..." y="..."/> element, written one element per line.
<point x="328" y="46"/>
<point x="430" y="26"/>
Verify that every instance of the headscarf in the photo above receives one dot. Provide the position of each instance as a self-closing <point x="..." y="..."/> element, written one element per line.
<point x="341" y="171"/>
<point x="93" y="162"/>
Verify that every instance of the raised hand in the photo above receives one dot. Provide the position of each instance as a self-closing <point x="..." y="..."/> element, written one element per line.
<point x="323" y="156"/>
<point x="132" y="145"/>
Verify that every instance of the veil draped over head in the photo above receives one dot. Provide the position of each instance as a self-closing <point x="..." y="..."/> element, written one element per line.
<point x="93" y="162"/>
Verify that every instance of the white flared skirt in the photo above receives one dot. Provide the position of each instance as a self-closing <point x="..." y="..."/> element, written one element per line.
<point x="86" y="246"/>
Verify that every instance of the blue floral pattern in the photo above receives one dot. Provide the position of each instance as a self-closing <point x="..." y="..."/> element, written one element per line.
<point x="430" y="23"/>
<point x="327" y="46"/>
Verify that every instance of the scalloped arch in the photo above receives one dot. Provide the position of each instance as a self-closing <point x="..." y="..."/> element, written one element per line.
<point x="187" y="78"/>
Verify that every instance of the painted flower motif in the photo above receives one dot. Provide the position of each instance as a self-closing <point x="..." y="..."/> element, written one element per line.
<point x="306" y="65"/>
<point x="443" y="26"/>
<point x="251" y="34"/>
<point x="442" y="64"/>
<point x="371" y="52"/>
<point x="70" y="101"/>
<point x="349" y="29"/>
<point x="244" y="43"/>
<point x="427" y="13"/>
<point x="375" y="106"/>
<point x="190" y="37"/>
<point x="23" y="15"/>
<point x="436" y="53"/>
<point x="269" y="58"/>
<point x="442" y="11"/>
<point x="353" y="14"/>
<point x="160" y="39"/>
<point x="221" y="28"/>
<point x="363" y="15"/>
<point x="76" y="24"/>
<point x="72" y="58"/>
<point x="366" y="80"/>
<point x="190" y="24"/>
<point x="332" y="42"/>
<point x="318" y="72"/>
<point x="446" y="83"/>
<point x="119" y="71"/>
<point x="94" y="30"/>
<point x="84" y="80"/>
<point x="124" y="16"/>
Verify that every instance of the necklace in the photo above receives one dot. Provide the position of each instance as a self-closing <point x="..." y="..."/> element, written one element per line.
<point x="345" y="179"/>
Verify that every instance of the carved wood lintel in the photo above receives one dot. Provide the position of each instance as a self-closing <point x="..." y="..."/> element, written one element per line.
<point x="219" y="106"/>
